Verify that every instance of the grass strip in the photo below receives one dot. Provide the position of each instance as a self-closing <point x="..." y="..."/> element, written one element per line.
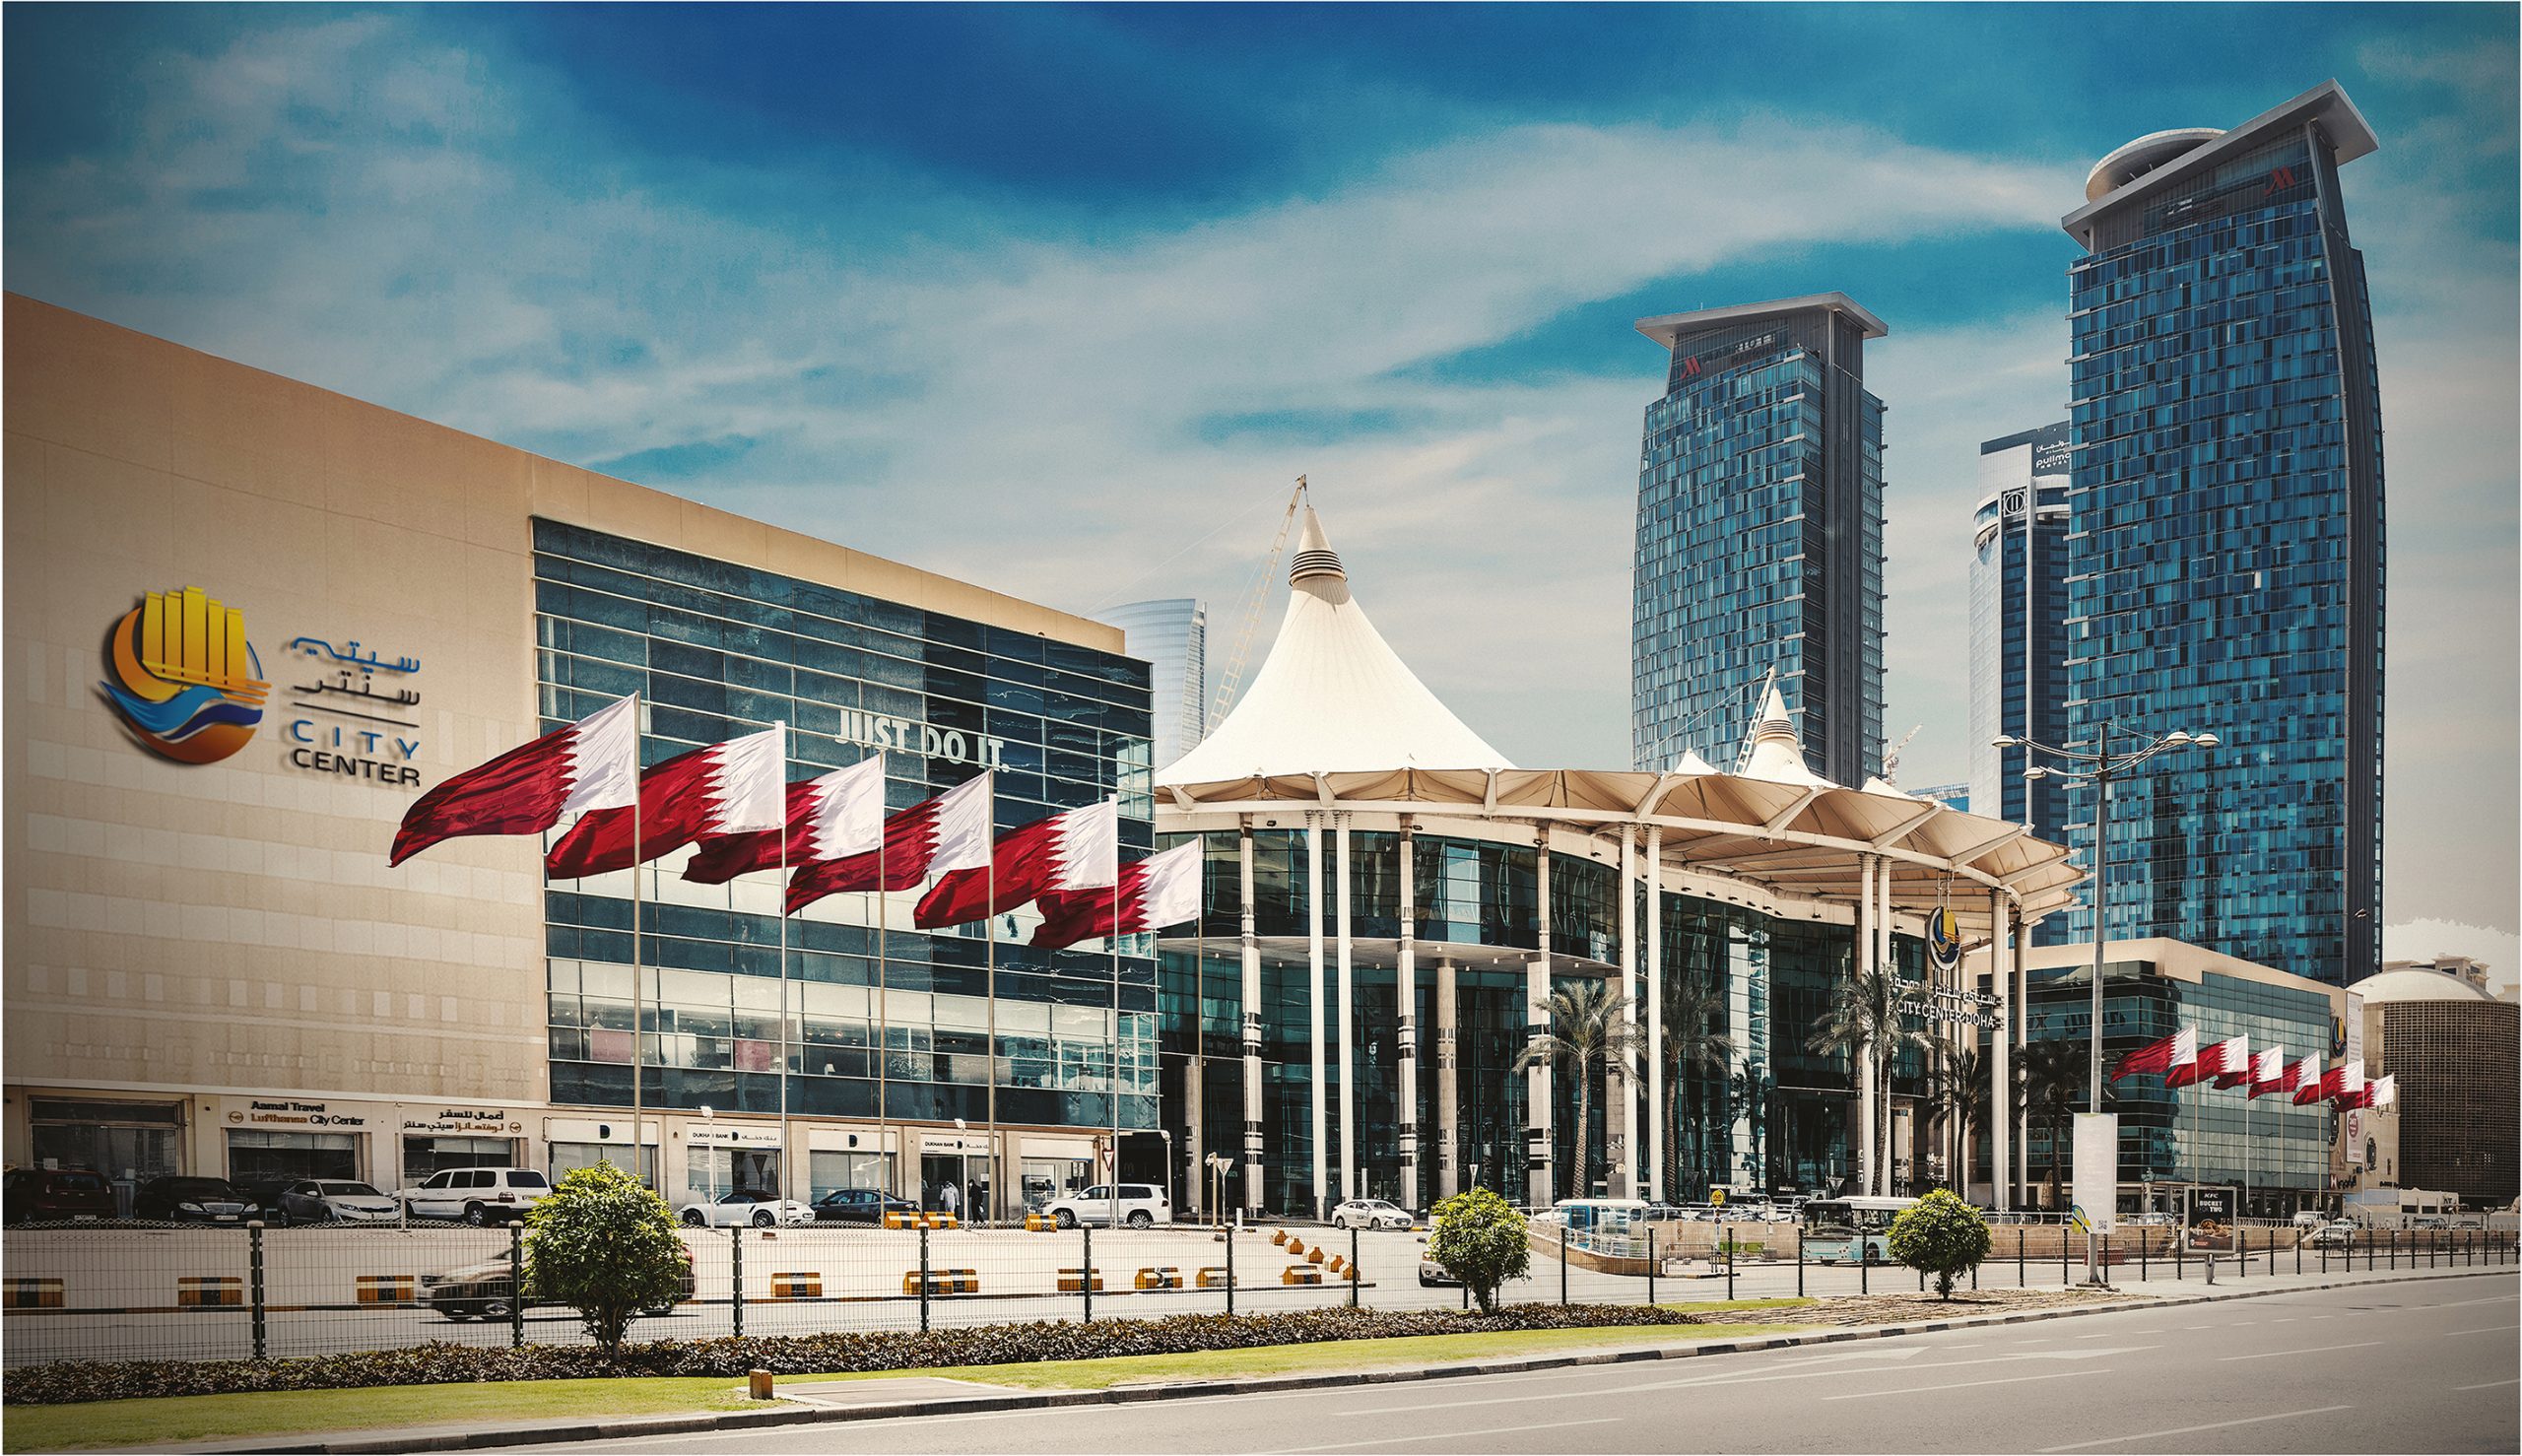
<point x="171" y="1420"/>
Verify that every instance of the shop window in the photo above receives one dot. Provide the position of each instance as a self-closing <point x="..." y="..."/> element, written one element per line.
<point x="423" y="1157"/>
<point x="568" y="1157"/>
<point x="830" y="1172"/>
<point x="254" y="1154"/>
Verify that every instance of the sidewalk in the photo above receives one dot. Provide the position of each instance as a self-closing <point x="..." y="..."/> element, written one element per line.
<point x="936" y="1393"/>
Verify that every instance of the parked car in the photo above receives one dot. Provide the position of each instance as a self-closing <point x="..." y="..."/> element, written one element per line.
<point x="2338" y="1233"/>
<point x="481" y="1291"/>
<point x="180" y="1200"/>
<point x="332" y="1201"/>
<point x="860" y="1206"/>
<point x="1142" y="1204"/>
<point x="1369" y="1212"/>
<point x="480" y="1196"/>
<point x="1432" y="1274"/>
<point x="42" y="1195"/>
<point x="746" y="1207"/>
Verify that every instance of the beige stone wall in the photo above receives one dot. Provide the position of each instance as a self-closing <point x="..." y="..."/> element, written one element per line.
<point x="234" y="926"/>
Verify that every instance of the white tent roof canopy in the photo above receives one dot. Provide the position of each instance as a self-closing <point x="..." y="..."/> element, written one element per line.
<point x="1335" y="721"/>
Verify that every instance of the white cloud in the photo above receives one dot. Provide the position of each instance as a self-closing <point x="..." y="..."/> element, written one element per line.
<point x="2423" y="940"/>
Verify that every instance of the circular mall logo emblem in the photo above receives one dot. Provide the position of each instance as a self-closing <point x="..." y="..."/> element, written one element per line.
<point x="184" y="678"/>
<point x="1944" y="937"/>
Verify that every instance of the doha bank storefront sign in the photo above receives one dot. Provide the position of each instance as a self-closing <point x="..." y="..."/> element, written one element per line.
<point x="188" y="683"/>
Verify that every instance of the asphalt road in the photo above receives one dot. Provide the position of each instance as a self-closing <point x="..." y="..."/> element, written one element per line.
<point x="2386" y="1367"/>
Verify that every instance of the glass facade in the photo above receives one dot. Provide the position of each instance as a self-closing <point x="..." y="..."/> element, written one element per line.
<point x="2170" y="1136"/>
<point x="1760" y="542"/>
<point x="2227" y="555"/>
<point x="2019" y="628"/>
<point x="719" y="650"/>
<point x="1774" y="1115"/>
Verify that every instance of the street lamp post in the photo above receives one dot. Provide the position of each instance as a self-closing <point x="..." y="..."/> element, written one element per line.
<point x="2098" y="766"/>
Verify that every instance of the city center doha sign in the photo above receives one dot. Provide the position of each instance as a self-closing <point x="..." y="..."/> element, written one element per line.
<point x="188" y="686"/>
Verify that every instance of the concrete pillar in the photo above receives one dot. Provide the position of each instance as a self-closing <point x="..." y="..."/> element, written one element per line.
<point x="1348" y="1021"/>
<point x="1539" y="1179"/>
<point x="1620" y="1082"/>
<point x="1863" y="1068"/>
<point x="1314" y="1011"/>
<point x="1658" y="1097"/>
<point x="1883" y="957"/>
<point x="1251" y="1004"/>
<point x="2000" y="1113"/>
<point x="1195" y="1099"/>
<point x="1448" y="1084"/>
<point x="1406" y="1012"/>
<point x="2022" y="964"/>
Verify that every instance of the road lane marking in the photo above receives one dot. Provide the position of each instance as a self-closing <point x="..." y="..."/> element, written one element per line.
<point x="2315" y="1349"/>
<point x="1446" y="1436"/>
<point x="2488" y="1384"/>
<point x="2480" y="1330"/>
<point x="2147" y="1435"/>
<point x="1867" y="1395"/>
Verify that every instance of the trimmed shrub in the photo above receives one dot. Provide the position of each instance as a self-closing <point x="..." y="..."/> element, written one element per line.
<point x="1940" y="1236"/>
<point x="439" y="1363"/>
<point x="1479" y="1241"/>
<point x="604" y="1244"/>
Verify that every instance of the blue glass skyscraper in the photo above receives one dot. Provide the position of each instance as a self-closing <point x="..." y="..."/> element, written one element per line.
<point x="1759" y="536"/>
<point x="2019" y="625"/>
<point x="2227" y="537"/>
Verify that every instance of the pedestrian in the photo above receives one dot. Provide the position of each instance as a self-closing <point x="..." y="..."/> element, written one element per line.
<point x="950" y="1198"/>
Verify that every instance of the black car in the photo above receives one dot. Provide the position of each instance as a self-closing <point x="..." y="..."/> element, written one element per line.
<point x="180" y="1200"/>
<point x="860" y="1206"/>
<point x="481" y="1291"/>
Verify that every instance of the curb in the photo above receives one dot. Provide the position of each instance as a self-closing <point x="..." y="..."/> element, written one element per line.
<point x="475" y="1440"/>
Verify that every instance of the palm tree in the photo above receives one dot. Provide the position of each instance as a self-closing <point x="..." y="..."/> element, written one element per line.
<point x="1586" y="1029"/>
<point x="1686" y="1039"/>
<point x="1963" y="1098"/>
<point x="2053" y="1087"/>
<point x="1864" y="1020"/>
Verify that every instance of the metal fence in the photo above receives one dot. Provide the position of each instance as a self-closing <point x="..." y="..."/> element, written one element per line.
<point x="128" y="1292"/>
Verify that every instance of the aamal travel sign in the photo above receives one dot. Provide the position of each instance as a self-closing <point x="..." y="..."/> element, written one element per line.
<point x="188" y="686"/>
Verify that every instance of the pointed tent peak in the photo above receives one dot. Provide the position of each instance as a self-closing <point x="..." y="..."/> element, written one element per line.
<point x="1776" y="752"/>
<point x="1690" y="764"/>
<point x="1315" y="560"/>
<point x="1889" y="790"/>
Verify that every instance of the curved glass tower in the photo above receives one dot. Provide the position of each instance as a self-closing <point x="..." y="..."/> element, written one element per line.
<point x="2227" y="537"/>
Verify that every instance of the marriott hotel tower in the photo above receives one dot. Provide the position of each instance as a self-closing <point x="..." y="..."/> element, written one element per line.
<point x="2227" y="537"/>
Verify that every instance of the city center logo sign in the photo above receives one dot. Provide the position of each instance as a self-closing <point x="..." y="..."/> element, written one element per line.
<point x="184" y="680"/>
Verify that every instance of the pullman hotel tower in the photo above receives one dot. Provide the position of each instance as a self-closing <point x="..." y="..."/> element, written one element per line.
<point x="2227" y="537"/>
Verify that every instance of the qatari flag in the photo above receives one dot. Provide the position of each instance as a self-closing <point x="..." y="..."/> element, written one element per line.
<point x="1076" y="850"/>
<point x="2270" y="1072"/>
<point x="2182" y="1069"/>
<point x="1158" y="890"/>
<point x="2232" y="1060"/>
<point x="2154" y="1056"/>
<point x="590" y="766"/>
<point x="2345" y="1085"/>
<point x="832" y="816"/>
<point x="948" y="832"/>
<point x="2308" y="1081"/>
<point x="2382" y="1091"/>
<point x="727" y="788"/>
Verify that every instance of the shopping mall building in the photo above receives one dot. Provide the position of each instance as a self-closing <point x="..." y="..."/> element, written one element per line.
<point x="212" y="970"/>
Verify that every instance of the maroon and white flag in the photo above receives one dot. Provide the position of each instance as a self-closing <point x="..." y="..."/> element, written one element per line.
<point x="734" y="787"/>
<point x="1158" y="890"/>
<point x="950" y="832"/>
<point x="2382" y="1091"/>
<point x="590" y="764"/>
<point x="2182" y="1069"/>
<point x="2233" y="1062"/>
<point x="2345" y="1085"/>
<point x="1076" y="850"/>
<point x="2308" y="1081"/>
<point x="836" y="815"/>
<point x="2270" y="1072"/>
<point x="2154" y="1056"/>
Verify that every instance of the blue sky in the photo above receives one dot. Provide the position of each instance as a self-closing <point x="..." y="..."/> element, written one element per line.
<point x="1063" y="299"/>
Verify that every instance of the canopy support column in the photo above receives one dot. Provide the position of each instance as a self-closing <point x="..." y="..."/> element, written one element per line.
<point x="1251" y="1004"/>
<point x="1539" y="1144"/>
<point x="2000" y="1113"/>
<point x="1348" y="1021"/>
<point x="1863" y="1068"/>
<point x="1404" y="1007"/>
<point x="1659" y="1107"/>
<point x="1313" y="1009"/>
<point x="1619" y="1073"/>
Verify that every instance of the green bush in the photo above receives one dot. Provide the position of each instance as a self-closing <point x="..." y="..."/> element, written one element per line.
<point x="435" y="1363"/>
<point x="1941" y="1235"/>
<point x="1479" y="1239"/>
<point x="604" y="1244"/>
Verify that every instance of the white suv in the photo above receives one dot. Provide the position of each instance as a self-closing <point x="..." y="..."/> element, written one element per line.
<point x="1142" y="1204"/>
<point x="480" y="1196"/>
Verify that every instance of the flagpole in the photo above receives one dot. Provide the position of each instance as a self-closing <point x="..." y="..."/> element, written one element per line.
<point x="1115" y="1077"/>
<point x="787" y="1154"/>
<point x="884" y="1129"/>
<point x="638" y="990"/>
<point x="990" y="1215"/>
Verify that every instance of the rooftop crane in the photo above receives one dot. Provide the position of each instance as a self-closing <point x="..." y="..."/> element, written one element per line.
<point x="1231" y="681"/>
<point x="1891" y="756"/>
